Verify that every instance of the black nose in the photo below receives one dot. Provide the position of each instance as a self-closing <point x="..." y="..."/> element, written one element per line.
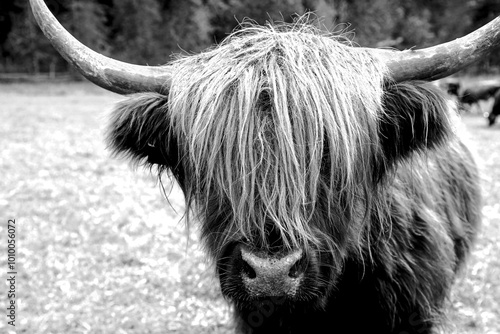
<point x="266" y="275"/>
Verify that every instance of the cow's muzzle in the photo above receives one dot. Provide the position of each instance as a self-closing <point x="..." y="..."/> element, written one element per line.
<point x="265" y="275"/>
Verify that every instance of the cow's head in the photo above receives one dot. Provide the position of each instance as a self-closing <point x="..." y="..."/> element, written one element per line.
<point x="279" y="138"/>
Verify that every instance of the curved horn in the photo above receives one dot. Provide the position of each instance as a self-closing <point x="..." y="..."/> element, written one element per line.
<point x="444" y="59"/>
<point x="110" y="74"/>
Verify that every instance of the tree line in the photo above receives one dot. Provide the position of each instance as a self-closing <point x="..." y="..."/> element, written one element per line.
<point x="152" y="31"/>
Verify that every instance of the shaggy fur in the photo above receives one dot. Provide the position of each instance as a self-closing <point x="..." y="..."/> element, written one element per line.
<point x="283" y="138"/>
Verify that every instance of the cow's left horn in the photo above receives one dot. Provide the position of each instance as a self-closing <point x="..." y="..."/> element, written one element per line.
<point x="111" y="74"/>
<point x="444" y="59"/>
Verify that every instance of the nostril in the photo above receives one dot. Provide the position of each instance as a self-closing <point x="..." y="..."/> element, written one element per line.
<point x="248" y="270"/>
<point x="297" y="269"/>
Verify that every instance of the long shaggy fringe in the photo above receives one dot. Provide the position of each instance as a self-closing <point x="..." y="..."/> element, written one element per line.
<point x="265" y="116"/>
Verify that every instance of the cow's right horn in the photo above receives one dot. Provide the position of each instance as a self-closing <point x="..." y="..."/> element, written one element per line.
<point x="111" y="74"/>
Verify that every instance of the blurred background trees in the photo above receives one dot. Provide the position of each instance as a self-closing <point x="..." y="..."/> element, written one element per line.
<point x="151" y="31"/>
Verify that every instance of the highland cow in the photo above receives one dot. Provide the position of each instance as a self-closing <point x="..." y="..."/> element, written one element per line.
<point x="333" y="191"/>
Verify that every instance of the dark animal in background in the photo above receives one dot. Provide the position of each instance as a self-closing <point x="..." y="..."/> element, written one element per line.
<point x="452" y="88"/>
<point x="332" y="190"/>
<point x="473" y="95"/>
<point x="495" y="110"/>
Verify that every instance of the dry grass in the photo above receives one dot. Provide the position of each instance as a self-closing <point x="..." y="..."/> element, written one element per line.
<point x="101" y="251"/>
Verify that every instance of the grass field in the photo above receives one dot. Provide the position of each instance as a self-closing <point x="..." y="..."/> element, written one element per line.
<point x="101" y="251"/>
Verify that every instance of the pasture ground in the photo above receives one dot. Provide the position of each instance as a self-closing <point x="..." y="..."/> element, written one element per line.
<point x="100" y="250"/>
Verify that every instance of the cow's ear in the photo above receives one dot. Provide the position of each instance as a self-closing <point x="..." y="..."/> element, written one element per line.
<point x="140" y="129"/>
<point x="415" y="116"/>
